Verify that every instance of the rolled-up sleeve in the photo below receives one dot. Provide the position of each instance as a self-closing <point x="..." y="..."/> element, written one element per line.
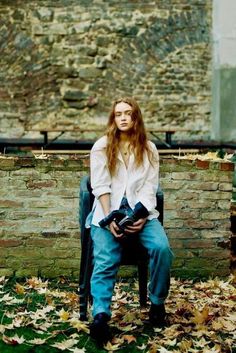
<point x="99" y="173"/>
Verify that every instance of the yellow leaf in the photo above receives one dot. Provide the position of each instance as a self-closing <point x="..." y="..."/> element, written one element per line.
<point x="111" y="347"/>
<point x="19" y="289"/>
<point x="79" y="325"/>
<point x="200" y="317"/>
<point x="185" y="345"/>
<point x="64" y="315"/>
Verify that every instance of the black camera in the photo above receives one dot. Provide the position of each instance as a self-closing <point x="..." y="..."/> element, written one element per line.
<point x="122" y="220"/>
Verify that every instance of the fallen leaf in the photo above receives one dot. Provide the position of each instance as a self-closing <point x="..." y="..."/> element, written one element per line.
<point x="15" y="340"/>
<point x="37" y="341"/>
<point x="19" y="289"/>
<point x="111" y="347"/>
<point x="201" y="317"/>
<point x="79" y="325"/>
<point x="77" y="350"/>
<point x="64" y="315"/>
<point x="129" y="338"/>
<point x="66" y="344"/>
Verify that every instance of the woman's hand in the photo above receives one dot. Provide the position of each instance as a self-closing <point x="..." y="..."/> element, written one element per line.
<point x="115" y="230"/>
<point x="136" y="227"/>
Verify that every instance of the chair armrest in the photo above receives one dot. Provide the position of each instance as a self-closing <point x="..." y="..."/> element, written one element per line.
<point x="85" y="204"/>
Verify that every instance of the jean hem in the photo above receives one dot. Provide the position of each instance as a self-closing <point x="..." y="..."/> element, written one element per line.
<point x="155" y="300"/>
<point x="101" y="310"/>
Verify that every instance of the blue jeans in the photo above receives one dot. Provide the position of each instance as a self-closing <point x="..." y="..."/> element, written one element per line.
<point x="107" y="257"/>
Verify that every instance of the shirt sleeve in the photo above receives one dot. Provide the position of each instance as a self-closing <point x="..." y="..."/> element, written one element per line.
<point x="99" y="173"/>
<point x="147" y="193"/>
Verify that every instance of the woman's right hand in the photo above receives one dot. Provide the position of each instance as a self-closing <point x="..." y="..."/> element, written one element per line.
<point x="115" y="230"/>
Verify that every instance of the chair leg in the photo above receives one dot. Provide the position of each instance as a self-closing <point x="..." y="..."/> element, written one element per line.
<point x="85" y="276"/>
<point x="143" y="279"/>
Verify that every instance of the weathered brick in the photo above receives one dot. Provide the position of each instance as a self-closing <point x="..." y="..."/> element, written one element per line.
<point x="216" y="233"/>
<point x="202" y="164"/>
<point x="10" y="203"/>
<point x="7" y="163"/>
<point x="188" y="195"/>
<point x="68" y="263"/>
<point x="226" y="186"/>
<point x="52" y="272"/>
<point x="26" y="272"/>
<point x="198" y="224"/>
<point x="198" y="244"/>
<point x="181" y="234"/>
<point x="184" y="214"/>
<point x="215" y="254"/>
<point x="173" y="223"/>
<point x="9" y="243"/>
<point x="215" y="215"/>
<point x="184" y="175"/>
<point x="218" y="195"/>
<point x="59" y="254"/>
<point x="224" y="205"/>
<point x="199" y="204"/>
<point x="41" y="184"/>
<point x="39" y="242"/>
<point x="55" y="234"/>
<point x="23" y="253"/>
<point x="201" y="263"/>
<point x="183" y="253"/>
<point x="227" y="166"/>
<point x="172" y="184"/>
<point x="212" y="186"/>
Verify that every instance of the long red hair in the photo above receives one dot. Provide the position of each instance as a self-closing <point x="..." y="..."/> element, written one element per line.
<point x="137" y="135"/>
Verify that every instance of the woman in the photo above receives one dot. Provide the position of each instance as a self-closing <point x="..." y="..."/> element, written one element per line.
<point x="124" y="174"/>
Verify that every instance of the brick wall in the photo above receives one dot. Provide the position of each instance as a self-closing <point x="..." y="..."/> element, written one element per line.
<point x="39" y="203"/>
<point x="62" y="62"/>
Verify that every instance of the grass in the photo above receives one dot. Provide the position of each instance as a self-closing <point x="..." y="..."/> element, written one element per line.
<point x="40" y="316"/>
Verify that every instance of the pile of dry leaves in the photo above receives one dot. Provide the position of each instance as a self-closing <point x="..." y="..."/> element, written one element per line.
<point x="201" y="318"/>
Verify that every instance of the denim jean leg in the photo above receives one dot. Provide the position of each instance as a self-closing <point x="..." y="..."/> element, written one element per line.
<point x="107" y="256"/>
<point x="153" y="238"/>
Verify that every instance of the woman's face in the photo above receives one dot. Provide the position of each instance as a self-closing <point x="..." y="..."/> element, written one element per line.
<point x="123" y="119"/>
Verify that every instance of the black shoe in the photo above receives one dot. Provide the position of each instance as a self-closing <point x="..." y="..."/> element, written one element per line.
<point x="157" y="315"/>
<point x="99" y="329"/>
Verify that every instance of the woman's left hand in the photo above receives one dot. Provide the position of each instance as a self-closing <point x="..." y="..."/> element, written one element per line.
<point x="136" y="227"/>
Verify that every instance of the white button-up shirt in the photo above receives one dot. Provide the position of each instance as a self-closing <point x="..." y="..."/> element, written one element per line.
<point x="136" y="183"/>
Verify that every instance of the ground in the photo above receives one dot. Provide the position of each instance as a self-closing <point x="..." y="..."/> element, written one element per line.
<point x="41" y="316"/>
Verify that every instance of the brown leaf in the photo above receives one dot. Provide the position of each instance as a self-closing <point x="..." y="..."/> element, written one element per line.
<point x="129" y="338"/>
